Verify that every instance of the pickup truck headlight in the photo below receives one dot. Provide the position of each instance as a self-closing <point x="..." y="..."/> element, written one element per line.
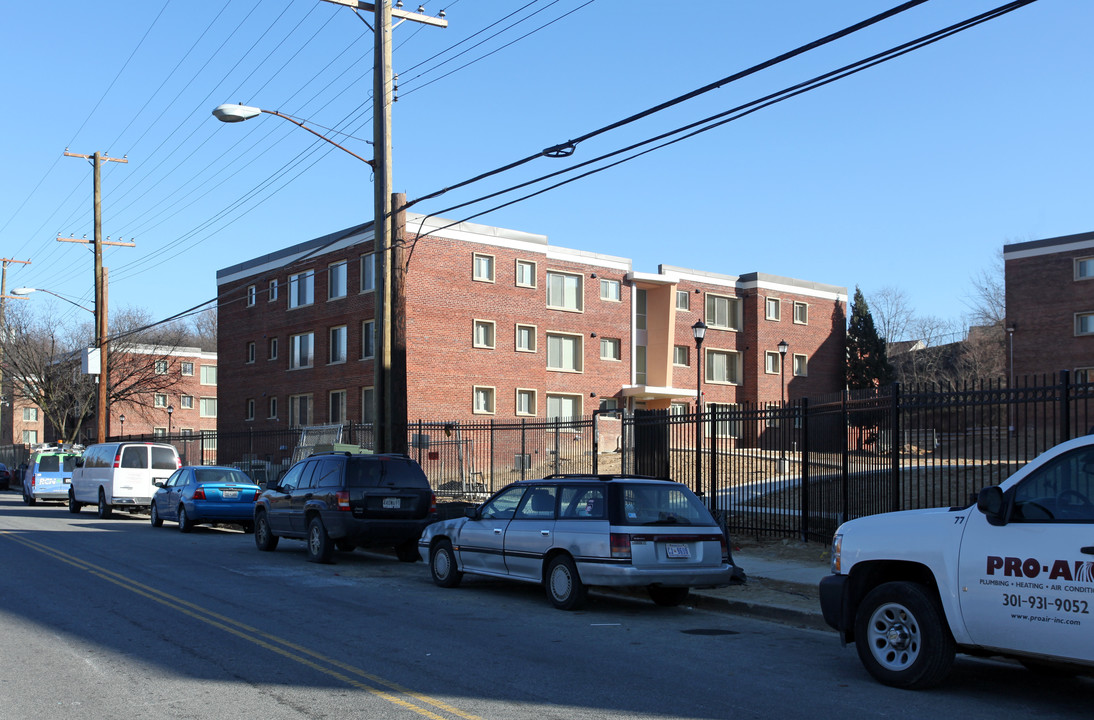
<point x="837" y="546"/>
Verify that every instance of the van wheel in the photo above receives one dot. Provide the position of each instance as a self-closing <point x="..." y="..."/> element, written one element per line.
<point x="902" y="637"/>
<point x="564" y="588"/>
<point x="320" y="547"/>
<point x="73" y="506"/>
<point x="29" y="500"/>
<point x="265" y="540"/>
<point x="185" y="523"/>
<point x="154" y="516"/>
<point x="104" y="509"/>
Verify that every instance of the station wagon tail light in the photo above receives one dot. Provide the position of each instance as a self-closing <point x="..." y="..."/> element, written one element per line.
<point x="621" y="546"/>
<point x="725" y="547"/>
<point x="342" y="496"/>
<point x="199" y="493"/>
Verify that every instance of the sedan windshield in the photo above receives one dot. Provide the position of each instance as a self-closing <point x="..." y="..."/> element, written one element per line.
<point x="667" y="504"/>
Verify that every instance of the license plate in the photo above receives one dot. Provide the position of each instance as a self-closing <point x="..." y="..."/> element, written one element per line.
<point x="392" y="503"/>
<point x="677" y="550"/>
<point x="231" y="494"/>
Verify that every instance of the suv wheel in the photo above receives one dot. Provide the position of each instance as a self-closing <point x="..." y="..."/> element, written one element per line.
<point x="902" y="637"/>
<point x="320" y="547"/>
<point x="442" y="565"/>
<point x="265" y="540"/>
<point x="408" y="551"/>
<point x="564" y="588"/>
<point x="104" y="508"/>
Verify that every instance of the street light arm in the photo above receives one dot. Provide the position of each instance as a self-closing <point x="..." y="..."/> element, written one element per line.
<point x="23" y="291"/>
<point x="238" y="113"/>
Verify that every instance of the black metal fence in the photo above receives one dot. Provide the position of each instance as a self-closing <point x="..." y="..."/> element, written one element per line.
<point x="795" y="470"/>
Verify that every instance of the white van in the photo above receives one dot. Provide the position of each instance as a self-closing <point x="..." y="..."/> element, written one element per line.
<point x="121" y="475"/>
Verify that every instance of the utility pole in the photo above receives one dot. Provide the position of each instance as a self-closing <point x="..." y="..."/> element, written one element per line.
<point x="100" y="284"/>
<point x="391" y="410"/>
<point x="4" y="338"/>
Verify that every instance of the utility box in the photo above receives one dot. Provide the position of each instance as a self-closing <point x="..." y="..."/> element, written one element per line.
<point x="89" y="361"/>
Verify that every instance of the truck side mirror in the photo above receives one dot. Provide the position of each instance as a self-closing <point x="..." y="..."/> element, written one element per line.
<point x="990" y="502"/>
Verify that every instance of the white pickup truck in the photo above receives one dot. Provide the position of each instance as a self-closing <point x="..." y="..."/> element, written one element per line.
<point x="1012" y="575"/>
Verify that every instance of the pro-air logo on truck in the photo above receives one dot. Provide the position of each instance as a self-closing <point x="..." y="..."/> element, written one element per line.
<point x="1030" y="568"/>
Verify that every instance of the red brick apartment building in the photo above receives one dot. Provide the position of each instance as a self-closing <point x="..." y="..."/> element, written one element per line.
<point x="500" y="324"/>
<point x="1050" y="306"/>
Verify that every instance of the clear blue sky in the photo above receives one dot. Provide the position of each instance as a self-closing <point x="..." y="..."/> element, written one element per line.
<point x="911" y="174"/>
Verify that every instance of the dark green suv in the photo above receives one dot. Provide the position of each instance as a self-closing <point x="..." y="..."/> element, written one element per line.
<point x="347" y="500"/>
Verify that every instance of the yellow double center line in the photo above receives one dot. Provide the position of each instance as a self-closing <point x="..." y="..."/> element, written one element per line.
<point x="343" y="672"/>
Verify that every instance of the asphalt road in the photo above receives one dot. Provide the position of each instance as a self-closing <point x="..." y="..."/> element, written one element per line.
<point x="113" y="618"/>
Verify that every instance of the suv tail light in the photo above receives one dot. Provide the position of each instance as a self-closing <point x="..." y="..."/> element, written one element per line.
<point x="433" y="504"/>
<point x="621" y="546"/>
<point x="342" y="496"/>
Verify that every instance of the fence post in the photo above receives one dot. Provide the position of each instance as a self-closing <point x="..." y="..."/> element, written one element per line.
<point x="895" y="445"/>
<point x="712" y="472"/>
<point x="493" y="445"/>
<point x="558" y="443"/>
<point x="845" y="459"/>
<point x="1065" y="405"/>
<point x="523" y="446"/>
<point x="803" y="415"/>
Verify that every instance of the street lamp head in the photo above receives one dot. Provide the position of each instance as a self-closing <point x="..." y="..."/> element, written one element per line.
<point x="23" y="291"/>
<point x="170" y="409"/>
<point x="783" y="347"/>
<point x="122" y="418"/>
<point x="230" y="113"/>
<point x="699" y="330"/>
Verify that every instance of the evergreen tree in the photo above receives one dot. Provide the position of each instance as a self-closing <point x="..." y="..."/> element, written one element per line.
<point x="867" y="361"/>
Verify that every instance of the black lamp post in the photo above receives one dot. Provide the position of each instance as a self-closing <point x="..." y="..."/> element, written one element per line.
<point x="170" y="411"/>
<point x="122" y="418"/>
<point x="783" y="347"/>
<point x="699" y="330"/>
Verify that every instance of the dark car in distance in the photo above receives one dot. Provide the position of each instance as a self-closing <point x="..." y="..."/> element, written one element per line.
<point x="347" y="500"/>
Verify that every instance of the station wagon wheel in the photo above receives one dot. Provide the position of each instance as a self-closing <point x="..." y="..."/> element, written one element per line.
<point x="667" y="596"/>
<point x="154" y="516"/>
<point x="265" y="540"/>
<point x="442" y="565"/>
<point x="104" y="509"/>
<point x="902" y="637"/>
<point x="185" y="523"/>
<point x="564" y="588"/>
<point x="320" y="547"/>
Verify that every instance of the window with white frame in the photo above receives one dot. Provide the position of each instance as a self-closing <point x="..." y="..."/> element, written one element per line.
<point x="801" y="365"/>
<point x="483" y="400"/>
<point x="250" y="352"/>
<point x="723" y="367"/>
<point x="338" y="338"/>
<point x="564" y="352"/>
<point x="186" y="432"/>
<point x="723" y="312"/>
<point x="1084" y="268"/>
<point x="640" y="364"/>
<point x="368" y="273"/>
<point x="563" y="407"/>
<point x="271" y="349"/>
<point x="159" y="432"/>
<point x="683" y="300"/>
<point x="208" y="439"/>
<point x="483" y="334"/>
<point x="249" y="412"/>
<point x="681" y="355"/>
<point x="564" y="291"/>
<point x="30" y="414"/>
<point x="208" y="374"/>
<point x="336" y="280"/>
<point x="208" y="407"/>
<point x="609" y="290"/>
<point x="186" y="368"/>
<point x="726" y="422"/>
<point x="526" y="402"/>
<point x="302" y="289"/>
<point x="526" y="273"/>
<point x="299" y="410"/>
<point x="773" y="362"/>
<point x="159" y="400"/>
<point x="272" y="408"/>
<point x="1084" y="375"/>
<point x="610" y="349"/>
<point x="801" y="313"/>
<point x="482" y="267"/>
<point x="272" y="293"/>
<point x="336" y="407"/>
<point x="1084" y="323"/>
<point x="300" y="350"/>
<point x="608" y="404"/>
<point x="773" y="308"/>
<point x="161" y="367"/>
<point x="368" y="339"/>
<point x="526" y="338"/>
<point x="771" y="414"/>
<point x="368" y="404"/>
<point x="30" y="437"/>
<point x="186" y="402"/>
<point x="252" y="293"/>
<point x="678" y="408"/>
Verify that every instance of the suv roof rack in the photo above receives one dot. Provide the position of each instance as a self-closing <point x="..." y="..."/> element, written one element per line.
<point x="604" y="477"/>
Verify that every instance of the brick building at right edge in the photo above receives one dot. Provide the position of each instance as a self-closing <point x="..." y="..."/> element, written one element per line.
<point x="502" y="325"/>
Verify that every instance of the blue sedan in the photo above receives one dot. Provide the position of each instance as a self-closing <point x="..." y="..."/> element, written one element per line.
<point x="205" y="494"/>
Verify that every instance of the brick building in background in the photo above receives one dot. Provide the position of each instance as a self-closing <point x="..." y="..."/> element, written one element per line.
<point x="1050" y="306"/>
<point x="500" y="324"/>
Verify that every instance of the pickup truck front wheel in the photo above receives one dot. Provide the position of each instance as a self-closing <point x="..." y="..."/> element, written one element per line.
<point x="902" y="637"/>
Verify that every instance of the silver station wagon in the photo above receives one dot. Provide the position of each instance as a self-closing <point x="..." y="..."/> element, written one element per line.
<point x="568" y="532"/>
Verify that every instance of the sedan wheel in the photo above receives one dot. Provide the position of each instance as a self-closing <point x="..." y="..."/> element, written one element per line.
<point x="185" y="523"/>
<point x="154" y="516"/>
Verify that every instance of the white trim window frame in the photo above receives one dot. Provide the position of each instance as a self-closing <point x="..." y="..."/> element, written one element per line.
<point x="525" y="273"/>
<point x="271" y="349"/>
<point x="336" y="407"/>
<point x="159" y="400"/>
<point x="368" y="339"/>
<point x="801" y="365"/>
<point x="484" y="334"/>
<point x="160" y="367"/>
<point x="773" y="309"/>
<point x="683" y="300"/>
<point x="611" y="290"/>
<point x="207" y="407"/>
<point x="250" y="352"/>
<point x="301" y="289"/>
<point x="525" y="338"/>
<point x="337" y="337"/>
<point x="565" y="291"/>
<point x="681" y="356"/>
<point x="611" y="349"/>
<point x="773" y="361"/>
<point x="722" y="367"/>
<point x="301" y="350"/>
<point x="186" y="402"/>
<point x="723" y="312"/>
<point x="300" y="409"/>
<point x="337" y="280"/>
<point x="801" y="313"/>
<point x="1084" y="268"/>
<point x="557" y="402"/>
<point x="186" y="368"/>
<point x="482" y="267"/>
<point x="1084" y="324"/>
<point x="249" y="413"/>
<point x="252" y="294"/>
<point x="272" y="294"/>
<point x="483" y="399"/>
<point x="368" y="272"/>
<point x="526" y="402"/>
<point x="565" y="352"/>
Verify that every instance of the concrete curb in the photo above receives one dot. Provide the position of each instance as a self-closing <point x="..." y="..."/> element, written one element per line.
<point x="760" y="611"/>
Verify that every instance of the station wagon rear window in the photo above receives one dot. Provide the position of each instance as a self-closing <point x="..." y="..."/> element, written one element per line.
<point x="649" y="504"/>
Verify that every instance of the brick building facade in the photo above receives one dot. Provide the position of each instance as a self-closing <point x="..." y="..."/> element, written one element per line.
<point x="1050" y="306"/>
<point x="500" y="324"/>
